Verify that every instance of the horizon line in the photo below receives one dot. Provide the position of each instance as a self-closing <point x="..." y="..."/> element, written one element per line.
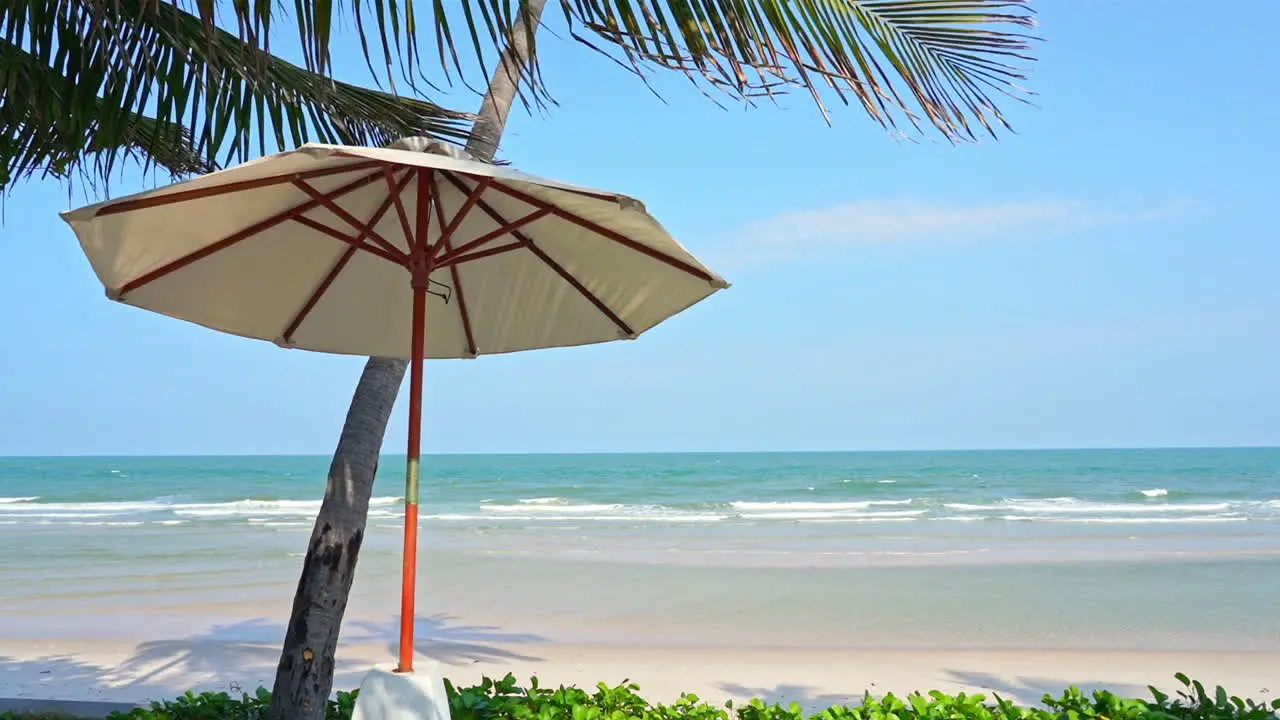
<point x="536" y="453"/>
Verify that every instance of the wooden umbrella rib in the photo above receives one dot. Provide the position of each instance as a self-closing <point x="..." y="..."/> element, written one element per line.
<point x="337" y="268"/>
<point x="258" y="227"/>
<point x="607" y="197"/>
<point x="504" y="227"/>
<point x="577" y="285"/>
<point x="473" y="196"/>
<point x="462" y="311"/>
<point x="348" y="218"/>
<point x="526" y="242"/>
<point x="438" y="207"/>
<point x="510" y="228"/>
<point x="422" y="231"/>
<point x="604" y="232"/>
<point x="396" y="196"/>
<point x="320" y="290"/>
<point x="446" y="242"/>
<point x="455" y="259"/>
<point x="395" y="192"/>
<point x="594" y="195"/>
<point x="224" y="189"/>
<point x="354" y="241"/>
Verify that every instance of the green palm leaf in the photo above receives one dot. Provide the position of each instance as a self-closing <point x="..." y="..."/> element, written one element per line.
<point x="94" y="81"/>
<point x="34" y="136"/>
<point x="940" y="62"/>
<point x="947" y="60"/>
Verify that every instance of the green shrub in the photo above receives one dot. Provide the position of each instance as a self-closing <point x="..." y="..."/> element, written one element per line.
<point x="506" y="699"/>
<point x="1193" y="703"/>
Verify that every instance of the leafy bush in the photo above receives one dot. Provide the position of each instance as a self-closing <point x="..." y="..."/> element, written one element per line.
<point x="506" y="699"/>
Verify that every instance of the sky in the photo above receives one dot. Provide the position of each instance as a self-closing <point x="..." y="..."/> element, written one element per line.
<point x="1105" y="277"/>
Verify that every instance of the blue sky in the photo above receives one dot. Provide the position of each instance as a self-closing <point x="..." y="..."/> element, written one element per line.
<point x="1105" y="277"/>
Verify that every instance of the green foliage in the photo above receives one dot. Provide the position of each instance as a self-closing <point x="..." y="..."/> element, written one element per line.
<point x="90" y="82"/>
<point x="506" y="699"/>
<point x="186" y="85"/>
<point x="1193" y="703"/>
<point x="944" y="60"/>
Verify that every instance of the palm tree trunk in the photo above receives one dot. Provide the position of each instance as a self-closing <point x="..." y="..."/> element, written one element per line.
<point x="304" y="677"/>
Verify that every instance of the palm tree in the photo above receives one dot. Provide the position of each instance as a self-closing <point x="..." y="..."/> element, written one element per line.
<point x="946" y="55"/>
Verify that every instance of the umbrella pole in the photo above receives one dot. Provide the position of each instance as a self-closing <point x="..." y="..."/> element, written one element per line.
<point x="410" y="569"/>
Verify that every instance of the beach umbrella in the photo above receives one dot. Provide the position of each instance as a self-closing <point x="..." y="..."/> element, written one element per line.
<point x="412" y="251"/>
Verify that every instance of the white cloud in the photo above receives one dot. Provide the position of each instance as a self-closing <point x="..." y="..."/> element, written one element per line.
<point x="868" y="222"/>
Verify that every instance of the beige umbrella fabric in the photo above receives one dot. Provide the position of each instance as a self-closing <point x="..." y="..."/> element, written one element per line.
<point x="395" y="253"/>
<point x="311" y="249"/>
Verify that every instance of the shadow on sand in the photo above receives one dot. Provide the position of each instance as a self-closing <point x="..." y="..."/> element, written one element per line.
<point x="1019" y="689"/>
<point x="1030" y="690"/>
<point x="240" y="657"/>
<point x="787" y="694"/>
<point x="34" y="682"/>
<point x="436" y="638"/>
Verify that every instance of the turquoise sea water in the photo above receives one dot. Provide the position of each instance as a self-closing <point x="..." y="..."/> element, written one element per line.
<point x="1233" y="490"/>
<point x="1123" y="486"/>
<point x="1133" y="548"/>
<point x="1208" y="500"/>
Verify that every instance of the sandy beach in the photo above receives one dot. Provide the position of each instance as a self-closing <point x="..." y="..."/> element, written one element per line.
<point x="123" y="672"/>
<point x="571" y="624"/>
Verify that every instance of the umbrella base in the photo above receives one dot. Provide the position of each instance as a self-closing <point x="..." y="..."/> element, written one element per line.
<point x="388" y="695"/>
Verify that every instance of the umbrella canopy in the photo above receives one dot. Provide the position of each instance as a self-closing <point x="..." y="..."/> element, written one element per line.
<point x="314" y="249"/>
<point x="339" y="249"/>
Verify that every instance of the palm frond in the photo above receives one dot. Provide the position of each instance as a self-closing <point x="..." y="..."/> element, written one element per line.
<point x="35" y="138"/>
<point x="945" y="63"/>
<point x="92" y="68"/>
<point x="948" y="60"/>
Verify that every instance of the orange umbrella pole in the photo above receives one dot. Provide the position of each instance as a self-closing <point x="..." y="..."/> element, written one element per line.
<point x="410" y="570"/>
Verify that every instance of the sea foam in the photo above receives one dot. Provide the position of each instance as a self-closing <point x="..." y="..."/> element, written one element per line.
<point x="1147" y="508"/>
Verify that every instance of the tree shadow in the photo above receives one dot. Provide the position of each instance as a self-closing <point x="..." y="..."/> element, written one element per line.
<point x="1022" y="690"/>
<point x="236" y="657"/>
<point x="244" y="655"/>
<point x="436" y="638"/>
<point x="1031" y="690"/>
<point x="239" y="657"/>
<point x="787" y="694"/>
<point x="46" y="684"/>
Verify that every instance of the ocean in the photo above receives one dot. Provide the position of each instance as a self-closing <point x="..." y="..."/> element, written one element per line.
<point x="1126" y="547"/>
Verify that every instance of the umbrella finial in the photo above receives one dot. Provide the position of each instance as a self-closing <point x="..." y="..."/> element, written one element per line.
<point x="626" y="202"/>
<point x="415" y="143"/>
